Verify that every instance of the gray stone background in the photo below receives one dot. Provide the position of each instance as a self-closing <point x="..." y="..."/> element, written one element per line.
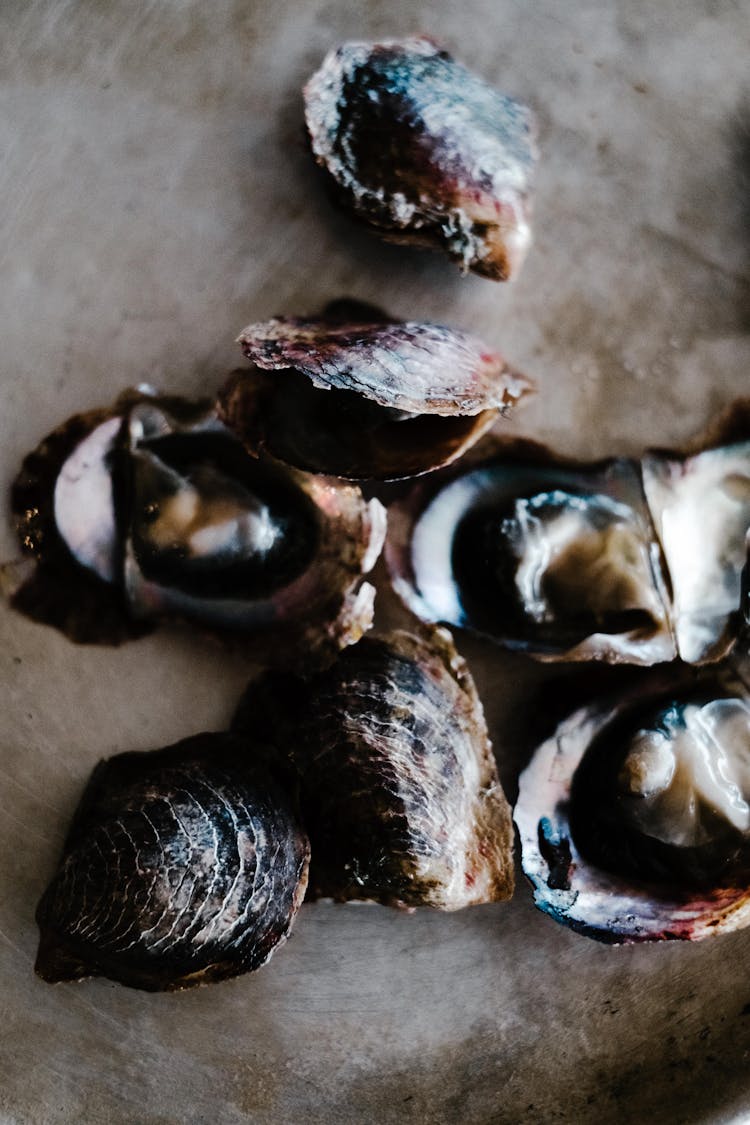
<point x="155" y="195"/>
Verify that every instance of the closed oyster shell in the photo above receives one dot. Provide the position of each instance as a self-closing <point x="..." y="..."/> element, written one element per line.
<point x="399" y="786"/>
<point x="633" y="816"/>
<point x="153" y="510"/>
<point x="401" y="398"/>
<point x="424" y="151"/>
<point x="182" y="866"/>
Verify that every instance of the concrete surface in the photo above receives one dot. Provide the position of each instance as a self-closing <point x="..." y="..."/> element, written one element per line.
<point x="156" y="196"/>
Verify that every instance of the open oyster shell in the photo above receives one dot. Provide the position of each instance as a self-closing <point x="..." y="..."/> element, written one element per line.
<point x="182" y="866"/>
<point x="622" y="561"/>
<point x="634" y="816"/>
<point x="555" y="559"/>
<point x="153" y="510"/>
<point x="400" y="791"/>
<point x="401" y="398"/>
<point x="424" y="151"/>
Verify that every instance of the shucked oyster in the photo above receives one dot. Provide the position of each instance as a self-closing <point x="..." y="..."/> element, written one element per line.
<point x="558" y="560"/>
<point x="634" y="817"/>
<point x="635" y="561"/>
<point x="399" y="786"/>
<point x="182" y="866"/>
<point x="424" y="151"/>
<point x="153" y="509"/>
<point x="400" y="398"/>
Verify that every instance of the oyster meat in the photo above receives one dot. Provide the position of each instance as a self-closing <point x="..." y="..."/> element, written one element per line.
<point x="400" y="398"/>
<point x="399" y="786"/>
<point x="424" y="151"/>
<point x="154" y="510"/>
<point x="182" y="866"/>
<point x="622" y="561"/>
<point x="634" y="817"/>
<point x="555" y="559"/>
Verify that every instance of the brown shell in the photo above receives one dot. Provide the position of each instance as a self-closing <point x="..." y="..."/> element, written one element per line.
<point x="424" y="151"/>
<point x="401" y="398"/>
<point x="399" y="786"/>
<point x="182" y="866"/>
<point x="307" y="619"/>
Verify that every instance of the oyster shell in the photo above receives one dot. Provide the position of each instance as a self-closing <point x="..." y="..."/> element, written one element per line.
<point x="182" y="866"/>
<point x="399" y="786"/>
<point x="557" y="559"/>
<point x="622" y="561"/>
<point x="401" y="397"/>
<point x="634" y="817"/>
<point x="424" y="151"/>
<point x="153" y="510"/>
<point x="704" y="497"/>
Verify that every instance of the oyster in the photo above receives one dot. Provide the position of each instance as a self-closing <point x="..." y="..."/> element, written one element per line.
<point x="182" y="866"/>
<point x="153" y="510"/>
<point x="399" y="786"/>
<point x="694" y="500"/>
<point x="401" y="397"/>
<point x="424" y="151"/>
<point x="634" y="817"/>
<point x="623" y="561"/>
<point x="556" y="559"/>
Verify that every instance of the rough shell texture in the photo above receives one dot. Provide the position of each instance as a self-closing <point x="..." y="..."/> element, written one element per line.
<point x="424" y="151"/>
<point x="182" y="866"/>
<point x="413" y="366"/>
<point x="400" y="790"/>
<point x="610" y="907"/>
<point x="302" y="612"/>
<point x="401" y="398"/>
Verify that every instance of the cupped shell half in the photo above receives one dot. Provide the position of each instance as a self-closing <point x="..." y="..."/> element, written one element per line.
<point x="400" y="398"/>
<point x="634" y="816"/>
<point x="399" y="786"/>
<point x="182" y="866"/>
<point x="636" y="561"/>
<point x="153" y="510"/>
<point x="556" y="559"/>
<point x="424" y="151"/>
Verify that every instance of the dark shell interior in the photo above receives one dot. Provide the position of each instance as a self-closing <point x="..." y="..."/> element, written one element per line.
<point x="152" y="510"/>
<point x="400" y="398"/>
<point x="634" y="818"/>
